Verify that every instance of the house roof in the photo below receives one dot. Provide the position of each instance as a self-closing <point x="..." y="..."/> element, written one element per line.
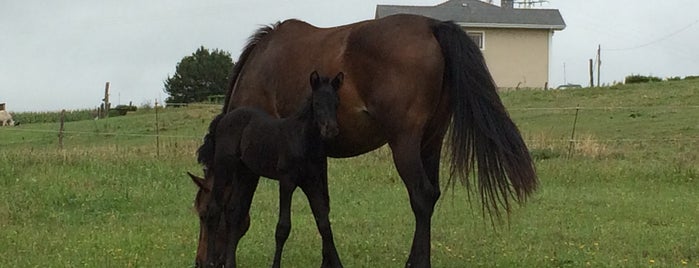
<point x="474" y="13"/>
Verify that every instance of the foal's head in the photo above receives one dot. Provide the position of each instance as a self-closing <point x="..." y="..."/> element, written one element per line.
<point x="324" y="102"/>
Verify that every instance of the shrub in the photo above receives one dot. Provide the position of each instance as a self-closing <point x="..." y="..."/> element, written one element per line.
<point x="50" y="117"/>
<point x="121" y="110"/>
<point x="146" y="105"/>
<point x="633" y="79"/>
<point x="543" y="154"/>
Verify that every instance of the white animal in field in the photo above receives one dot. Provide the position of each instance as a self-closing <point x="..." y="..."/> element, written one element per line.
<point x="6" y="118"/>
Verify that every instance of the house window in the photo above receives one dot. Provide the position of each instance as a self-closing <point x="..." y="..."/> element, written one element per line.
<point x="478" y="38"/>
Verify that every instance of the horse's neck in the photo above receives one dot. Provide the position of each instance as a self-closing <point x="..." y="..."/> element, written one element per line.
<point x="303" y="128"/>
<point x="300" y="136"/>
<point x="304" y="120"/>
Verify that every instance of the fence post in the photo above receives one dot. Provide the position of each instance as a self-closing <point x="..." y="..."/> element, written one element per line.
<point x="106" y="104"/>
<point x="572" y="134"/>
<point x="592" y="76"/>
<point x="60" y="130"/>
<point x="157" y="131"/>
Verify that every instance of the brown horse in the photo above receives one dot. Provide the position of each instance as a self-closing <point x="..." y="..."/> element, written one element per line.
<point x="407" y="80"/>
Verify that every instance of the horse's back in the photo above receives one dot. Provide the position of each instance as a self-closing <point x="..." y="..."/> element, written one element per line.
<point x="399" y="67"/>
<point x="238" y="119"/>
<point x="275" y="77"/>
<point x="234" y="126"/>
<point x="393" y="67"/>
<point x="253" y="137"/>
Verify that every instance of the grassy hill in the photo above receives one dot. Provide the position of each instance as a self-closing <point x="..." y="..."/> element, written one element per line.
<point x="137" y="128"/>
<point x="117" y="195"/>
<point x="616" y="120"/>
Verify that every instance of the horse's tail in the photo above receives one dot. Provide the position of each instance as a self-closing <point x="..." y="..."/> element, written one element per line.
<point x="483" y="138"/>
<point x="205" y="153"/>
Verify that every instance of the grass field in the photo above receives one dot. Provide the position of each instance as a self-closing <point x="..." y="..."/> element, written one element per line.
<point x="628" y="195"/>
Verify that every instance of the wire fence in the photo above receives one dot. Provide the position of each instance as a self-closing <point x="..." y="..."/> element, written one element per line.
<point x="607" y="108"/>
<point x="100" y="133"/>
<point x="564" y="132"/>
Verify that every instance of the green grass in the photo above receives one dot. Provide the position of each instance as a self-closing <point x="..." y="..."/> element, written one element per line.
<point x="628" y="196"/>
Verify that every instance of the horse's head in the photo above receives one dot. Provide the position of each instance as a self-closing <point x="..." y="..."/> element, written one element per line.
<point x="201" y="202"/>
<point x="324" y="101"/>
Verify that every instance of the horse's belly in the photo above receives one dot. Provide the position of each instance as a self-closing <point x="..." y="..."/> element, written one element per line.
<point x="260" y="156"/>
<point x="359" y="133"/>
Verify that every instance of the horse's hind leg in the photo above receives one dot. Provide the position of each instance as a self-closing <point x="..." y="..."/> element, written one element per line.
<point x="422" y="191"/>
<point x="315" y="186"/>
<point x="431" y="154"/>
<point x="286" y="191"/>
<point x="237" y="213"/>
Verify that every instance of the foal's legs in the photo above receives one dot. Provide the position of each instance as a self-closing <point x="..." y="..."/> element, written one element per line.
<point x="237" y="214"/>
<point x="286" y="190"/>
<point x="423" y="192"/>
<point x="315" y="186"/>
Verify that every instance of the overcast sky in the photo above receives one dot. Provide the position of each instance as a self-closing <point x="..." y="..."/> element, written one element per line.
<point x="58" y="54"/>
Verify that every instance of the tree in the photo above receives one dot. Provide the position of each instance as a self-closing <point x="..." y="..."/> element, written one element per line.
<point x="199" y="76"/>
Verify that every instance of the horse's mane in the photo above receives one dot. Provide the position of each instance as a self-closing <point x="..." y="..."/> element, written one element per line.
<point x="205" y="153"/>
<point x="249" y="47"/>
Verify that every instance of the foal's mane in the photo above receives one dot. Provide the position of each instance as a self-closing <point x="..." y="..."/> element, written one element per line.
<point x="254" y="39"/>
<point x="205" y="153"/>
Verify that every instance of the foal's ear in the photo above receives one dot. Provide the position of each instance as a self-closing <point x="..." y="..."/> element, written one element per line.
<point x="315" y="79"/>
<point x="200" y="182"/>
<point x="337" y="81"/>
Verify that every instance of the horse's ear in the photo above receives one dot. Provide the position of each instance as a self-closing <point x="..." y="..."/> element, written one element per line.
<point x="337" y="81"/>
<point x="200" y="182"/>
<point x="315" y="79"/>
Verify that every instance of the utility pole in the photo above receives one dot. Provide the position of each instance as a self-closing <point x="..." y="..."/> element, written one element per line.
<point x="599" y="63"/>
<point x="61" y="129"/>
<point x="157" y="131"/>
<point x="592" y="75"/>
<point x="105" y="106"/>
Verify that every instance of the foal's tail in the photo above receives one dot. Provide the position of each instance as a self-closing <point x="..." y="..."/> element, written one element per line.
<point x="483" y="138"/>
<point x="205" y="153"/>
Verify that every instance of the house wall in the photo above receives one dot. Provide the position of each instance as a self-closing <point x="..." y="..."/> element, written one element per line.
<point x="517" y="58"/>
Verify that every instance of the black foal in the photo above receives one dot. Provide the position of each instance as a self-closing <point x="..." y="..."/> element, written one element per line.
<point x="247" y="143"/>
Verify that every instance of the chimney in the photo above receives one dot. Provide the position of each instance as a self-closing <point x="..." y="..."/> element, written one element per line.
<point x="507" y="4"/>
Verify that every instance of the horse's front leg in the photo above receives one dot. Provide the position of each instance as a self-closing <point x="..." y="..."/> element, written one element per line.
<point x="315" y="186"/>
<point x="286" y="191"/>
<point x="237" y="215"/>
